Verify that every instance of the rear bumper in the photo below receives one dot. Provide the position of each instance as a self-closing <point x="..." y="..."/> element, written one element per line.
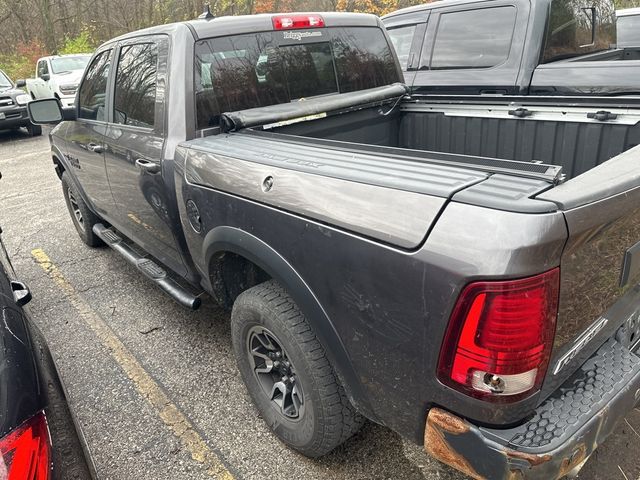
<point x="561" y="434"/>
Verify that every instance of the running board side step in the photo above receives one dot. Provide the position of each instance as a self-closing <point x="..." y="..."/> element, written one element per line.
<point x="148" y="267"/>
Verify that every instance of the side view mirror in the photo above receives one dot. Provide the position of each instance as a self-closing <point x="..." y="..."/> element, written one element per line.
<point x="69" y="113"/>
<point x="21" y="83"/>
<point x="45" y="111"/>
<point x="45" y="77"/>
<point x="21" y="293"/>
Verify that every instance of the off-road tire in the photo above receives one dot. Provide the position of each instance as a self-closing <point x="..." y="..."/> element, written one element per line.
<point x="328" y="418"/>
<point x="84" y="227"/>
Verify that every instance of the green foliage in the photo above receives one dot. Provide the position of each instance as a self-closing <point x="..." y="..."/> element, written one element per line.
<point x="626" y="3"/>
<point x="22" y="62"/>
<point x="82" y="43"/>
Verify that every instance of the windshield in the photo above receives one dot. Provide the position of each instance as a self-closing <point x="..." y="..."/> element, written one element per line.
<point x="629" y="31"/>
<point x="4" y="80"/>
<point x="247" y="71"/>
<point x="576" y="27"/>
<point x="69" y="64"/>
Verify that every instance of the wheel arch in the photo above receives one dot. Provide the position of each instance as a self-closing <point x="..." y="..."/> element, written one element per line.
<point x="58" y="163"/>
<point x="61" y="166"/>
<point x="233" y="240"/>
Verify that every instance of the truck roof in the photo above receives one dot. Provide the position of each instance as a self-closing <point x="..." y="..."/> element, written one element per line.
<point x="438" y="4"/>
<point x="234" y="25"/>
<point x="49" y="57"/>
<point x="625" y="12"/>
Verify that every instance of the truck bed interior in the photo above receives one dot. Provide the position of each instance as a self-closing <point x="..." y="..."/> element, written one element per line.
<point x="567" y="139"/>
<point x="629" y="53"/>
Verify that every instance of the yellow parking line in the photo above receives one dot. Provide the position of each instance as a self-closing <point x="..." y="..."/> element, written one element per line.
<point x="148" y="388"/>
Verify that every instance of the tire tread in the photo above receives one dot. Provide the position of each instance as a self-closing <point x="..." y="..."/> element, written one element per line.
<point x="340" y="418"/>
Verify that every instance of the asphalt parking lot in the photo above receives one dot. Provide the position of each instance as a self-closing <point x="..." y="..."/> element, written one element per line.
<point x="154" y="386"/>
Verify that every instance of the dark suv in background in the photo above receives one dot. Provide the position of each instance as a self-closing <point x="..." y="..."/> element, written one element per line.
<point x="13" y="107"/>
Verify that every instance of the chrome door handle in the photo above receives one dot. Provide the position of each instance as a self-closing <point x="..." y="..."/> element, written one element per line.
<point x="95" y="148"/>
<point x="147" y="165"/>
<point x="21" y="293"/>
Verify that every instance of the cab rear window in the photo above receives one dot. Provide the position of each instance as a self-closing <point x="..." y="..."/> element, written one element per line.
<point x="256" y="70"/>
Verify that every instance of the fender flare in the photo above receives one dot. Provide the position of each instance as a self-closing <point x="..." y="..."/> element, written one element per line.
<point x="61" y="158"/>
<point x="243" y="243"/>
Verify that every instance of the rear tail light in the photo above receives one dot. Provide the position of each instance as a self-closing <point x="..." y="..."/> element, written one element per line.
<point x="291" y="22"/>
<point x="500" y="337"/>
<point x="26" y="451"/>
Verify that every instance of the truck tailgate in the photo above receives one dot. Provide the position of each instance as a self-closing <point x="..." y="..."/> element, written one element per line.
<point x="600" y="265"/>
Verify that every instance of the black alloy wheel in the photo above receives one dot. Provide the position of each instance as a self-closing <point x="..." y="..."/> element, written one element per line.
<point x="275" y="372"/>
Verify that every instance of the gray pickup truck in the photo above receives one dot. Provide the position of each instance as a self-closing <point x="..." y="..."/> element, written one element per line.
<point x="522" y="47"/>
<point x="464" y="272"/>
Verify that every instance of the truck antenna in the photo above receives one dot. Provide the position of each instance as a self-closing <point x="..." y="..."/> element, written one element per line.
<point x="206" y="15"/>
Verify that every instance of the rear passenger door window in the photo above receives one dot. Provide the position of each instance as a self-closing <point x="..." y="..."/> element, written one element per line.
<point x="93" y="90"/>
<point x="401" y="38"/>
<point x="473" y="38"/>
<point x="135" y="86"/>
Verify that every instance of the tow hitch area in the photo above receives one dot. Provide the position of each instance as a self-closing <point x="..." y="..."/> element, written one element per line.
<point x="560" y="436"/>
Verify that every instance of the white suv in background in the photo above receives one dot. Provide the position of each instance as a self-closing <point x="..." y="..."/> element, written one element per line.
<point x="58" y="76"/>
